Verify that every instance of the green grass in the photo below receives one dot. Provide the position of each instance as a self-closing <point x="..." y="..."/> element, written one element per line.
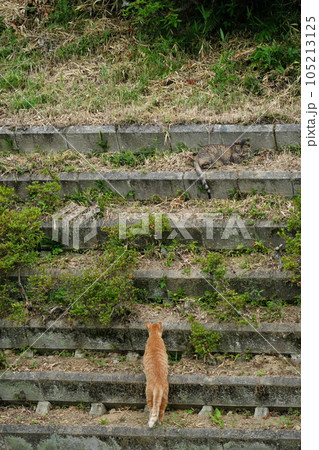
<point x="84" y="66"/>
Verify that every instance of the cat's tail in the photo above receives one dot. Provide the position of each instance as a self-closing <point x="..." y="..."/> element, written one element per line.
<point x="157" y="400"/>
<point x="201" y="176"/>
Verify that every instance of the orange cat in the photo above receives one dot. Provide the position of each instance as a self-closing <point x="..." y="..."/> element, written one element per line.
<point x="156" y="371"/>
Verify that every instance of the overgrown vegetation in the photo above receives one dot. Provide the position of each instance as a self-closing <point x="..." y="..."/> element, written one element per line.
<point x="292" y="256"/>
<point x="20" y="232"/>
<point x="151" y="61"/>
<point x="102" y="292"/>
<point x="204" y="342"/>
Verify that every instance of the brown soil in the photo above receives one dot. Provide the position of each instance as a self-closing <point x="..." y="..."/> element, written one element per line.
<point x="160" y="313"/>
<point x="125" y="417"/>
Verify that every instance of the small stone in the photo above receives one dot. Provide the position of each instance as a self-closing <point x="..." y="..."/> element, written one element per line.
<point x="205" y="411"/>
<point x="115" y="360"/>
<point x="132" y="356"/>
<point x="296" y="358"/>
<point x="261" y="412"/>
<point x="97" y="409"/>
<point x="188" y="306"/>
<point x="28" y="354"/>
<point x="43" y="408"/>
<point x="79" y="353"/>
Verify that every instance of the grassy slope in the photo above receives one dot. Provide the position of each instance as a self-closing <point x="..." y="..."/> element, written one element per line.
<point x="96" y="71"/>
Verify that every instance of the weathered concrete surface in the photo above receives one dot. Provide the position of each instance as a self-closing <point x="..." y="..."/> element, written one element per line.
<point x="40" y="138"/>
<point x="272" y="284"/>
<point x="275" y="285"/>
<point x="287" y="134"/>
<point x="165" y="184"/>
<point x="90" y="139"/>
<point x="209" y="232"/>
<point x="134" y="137"/>
<point x="260" y="136"/>
<point x="127" y="389"/>
<point x="267" y="338"/>
<point x="49" y="437"/>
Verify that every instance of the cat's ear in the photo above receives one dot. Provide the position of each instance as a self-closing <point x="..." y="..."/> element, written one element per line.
<point x="147" y="324"/>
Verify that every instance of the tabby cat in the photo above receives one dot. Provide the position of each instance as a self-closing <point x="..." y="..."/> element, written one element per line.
<point x="215" y="155"/>
<point x="156" y="371"/>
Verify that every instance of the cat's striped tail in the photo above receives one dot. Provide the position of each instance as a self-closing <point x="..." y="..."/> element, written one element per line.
<point x="157" y="400"/>
<point x="201" y="176"/>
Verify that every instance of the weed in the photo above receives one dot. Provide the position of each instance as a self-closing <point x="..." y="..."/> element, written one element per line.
<point x="275" y="57"/>
<point x="292" y="257"/>
<point x="217" y="418"/>
<point x="3" y="360"/>
<point x="63" y="13"/>
<point x="101" y="293"/>
<point x="20" y="233"/>
<point x="174" y="357"/>
<point x="176" y="296"/>
<point x="103" y="144"/>
<point x="104" y="421"/>
<point x="129" y="158"/>
<point x="46" y="195"/>
<point x="294" y="149"/>
<point x="213" y="265"/>
<point x="204" y="342"/>
<point x="286" y="422"/>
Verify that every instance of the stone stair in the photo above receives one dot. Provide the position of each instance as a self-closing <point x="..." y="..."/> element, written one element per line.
<point x="32" y="350"/>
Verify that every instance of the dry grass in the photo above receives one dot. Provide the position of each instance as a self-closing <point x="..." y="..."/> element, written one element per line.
<point x="72" y="415"/>
<point x="72" y="161"/>
<point x="99" y="362"/>
<point x="118" y="82"/>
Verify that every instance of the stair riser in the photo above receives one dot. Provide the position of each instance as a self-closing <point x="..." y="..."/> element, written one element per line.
<point x="97" y="438"/>
<point x="267" y="339"/>
<point x="166" y="184"/>
<point x="122" y="390"/>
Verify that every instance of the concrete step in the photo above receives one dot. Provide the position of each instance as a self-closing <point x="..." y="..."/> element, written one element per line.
<point x="167" y="184"/>
<point x="207" y="230"/>
<point x="28" y="437"/>
<point x="158" y="282"/>
<point x="267" y="338"/>
<point x="86" y="139"/>
<point x="117" y="389"/>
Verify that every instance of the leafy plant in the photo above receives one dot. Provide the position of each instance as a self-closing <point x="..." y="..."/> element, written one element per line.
<point x="217" y="418"/>
<point x="46" y="195"/>
<point x="204" y="342"/>
<point x="292" y="256"/>
<point x="275" y="57"/>
<point x="129" y="158"/>
<point x="20" y="233"/>
<point x="101" y="293"/>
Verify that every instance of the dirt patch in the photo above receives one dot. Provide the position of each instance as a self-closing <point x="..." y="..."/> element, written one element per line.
<point x="182" y="259"/>
<point x="72" y="415"/>
<point x="158" y="312"/>
<point x="101" y="362"/>
<point x="172" y="259"/>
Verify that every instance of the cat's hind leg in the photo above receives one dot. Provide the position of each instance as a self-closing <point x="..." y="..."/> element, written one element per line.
<point x="162" y="410"/>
